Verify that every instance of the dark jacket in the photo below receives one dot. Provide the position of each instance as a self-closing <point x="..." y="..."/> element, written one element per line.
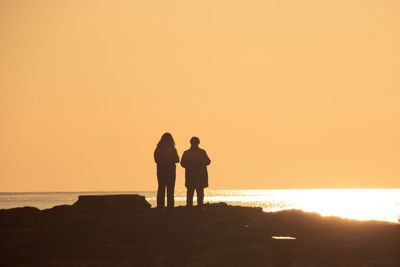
<point x="195" y="162"/>
<point x="166" y="157"/>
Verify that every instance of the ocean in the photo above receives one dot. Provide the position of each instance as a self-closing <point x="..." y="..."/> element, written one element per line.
<point x="359" y="204"/>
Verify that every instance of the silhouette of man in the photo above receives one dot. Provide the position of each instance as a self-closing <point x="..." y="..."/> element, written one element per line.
<point x="195" y="162"/>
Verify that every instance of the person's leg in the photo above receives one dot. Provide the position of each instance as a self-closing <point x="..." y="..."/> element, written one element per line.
<point x="170" y="192"/>
<point x="161" y="192"/>
<point x="200" y="196"/>
<point x="189" y="197"/>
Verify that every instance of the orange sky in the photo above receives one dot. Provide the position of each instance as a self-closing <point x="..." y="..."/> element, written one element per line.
<point x="283" y="94"/>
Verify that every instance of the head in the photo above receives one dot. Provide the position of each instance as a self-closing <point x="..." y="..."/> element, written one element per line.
<point x="166" y="140"/>
<point x="195" y="141"/>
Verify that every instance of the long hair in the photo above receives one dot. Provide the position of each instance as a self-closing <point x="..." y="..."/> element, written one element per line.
<point x="166" y="140"/>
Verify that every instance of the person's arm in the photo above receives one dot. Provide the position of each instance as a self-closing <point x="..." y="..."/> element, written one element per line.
<point x="156" y="159"/>
<point x="176" y="159"/>
<point x="207" y="160"/>
<point x="183" y="160"/>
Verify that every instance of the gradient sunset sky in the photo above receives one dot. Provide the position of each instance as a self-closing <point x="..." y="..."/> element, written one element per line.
<point x="283" y="94"/>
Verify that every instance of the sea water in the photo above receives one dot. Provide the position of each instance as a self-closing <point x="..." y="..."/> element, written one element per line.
<point x="359" y="204"/>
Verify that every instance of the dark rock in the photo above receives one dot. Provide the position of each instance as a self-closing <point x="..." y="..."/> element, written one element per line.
<point x="102" y="231"/>
<point x="23" y="211"/>
<point x="60" y="210"/>
<point x="18" y="217"/>
<point x="111" y="202"/>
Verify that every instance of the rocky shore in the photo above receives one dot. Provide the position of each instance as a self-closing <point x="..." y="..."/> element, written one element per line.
<point x="124" y="231"/>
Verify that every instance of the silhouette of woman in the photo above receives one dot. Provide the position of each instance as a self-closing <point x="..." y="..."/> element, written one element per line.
<point x="166" y="156"/>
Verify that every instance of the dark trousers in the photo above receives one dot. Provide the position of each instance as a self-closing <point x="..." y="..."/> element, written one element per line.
<point x="165" y="181"/>
<point x="190" y="193"/>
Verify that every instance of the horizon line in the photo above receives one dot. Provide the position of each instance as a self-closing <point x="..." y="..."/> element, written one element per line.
<point x="252" y="189"/>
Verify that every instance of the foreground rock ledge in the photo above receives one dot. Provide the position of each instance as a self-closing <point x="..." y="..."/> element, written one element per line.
<point x="121" y="230"/>
<point x="127" y="201"/>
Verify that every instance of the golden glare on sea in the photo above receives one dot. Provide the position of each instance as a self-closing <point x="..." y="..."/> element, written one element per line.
<point x="358" y="204"/>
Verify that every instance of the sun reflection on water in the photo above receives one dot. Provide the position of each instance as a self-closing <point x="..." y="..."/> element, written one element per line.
<point x="359" y="204"/>
<point x="283" y="237"/>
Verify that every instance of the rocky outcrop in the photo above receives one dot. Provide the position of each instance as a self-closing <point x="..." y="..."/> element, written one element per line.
<point x="19" y="217"/>
<point x="112" y="202"/>
<point x="123" y="231"/>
